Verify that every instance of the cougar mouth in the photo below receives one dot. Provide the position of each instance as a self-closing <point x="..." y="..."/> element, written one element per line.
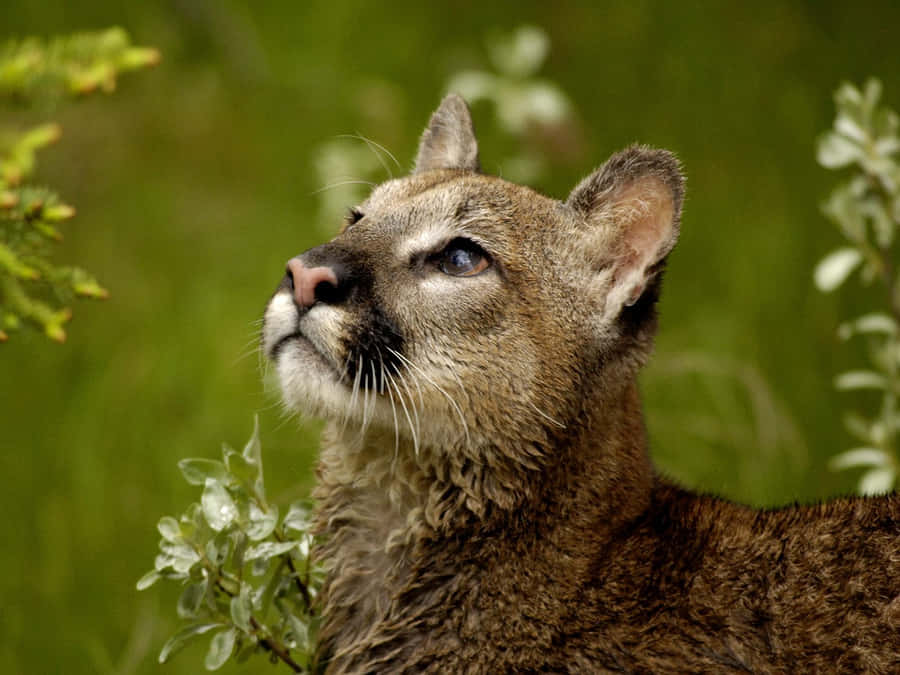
<point x="275" y="350"/>
<point x="298" y="346"/>
<point x="283" y="327"/>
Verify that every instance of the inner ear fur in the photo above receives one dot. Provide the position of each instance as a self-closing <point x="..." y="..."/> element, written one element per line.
<point x="448" y="141"/>
<point x="632" y="207"/>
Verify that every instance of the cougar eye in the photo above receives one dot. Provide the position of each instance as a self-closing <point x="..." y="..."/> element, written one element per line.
<point x="462" y="258"/>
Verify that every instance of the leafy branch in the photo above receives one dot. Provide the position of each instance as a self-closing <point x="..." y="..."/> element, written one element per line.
<point x="33" y="290"/>
<point x="246" y="573"/>
<point x="866" y="209"/>
<point x="522" y="101"/>
<point x="77" y="64"/>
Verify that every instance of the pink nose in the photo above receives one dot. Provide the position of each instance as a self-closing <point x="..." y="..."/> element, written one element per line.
<point x="305" y="279"/>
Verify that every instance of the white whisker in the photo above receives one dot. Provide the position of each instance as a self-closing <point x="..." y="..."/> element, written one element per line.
<point x="434" y="384"/>
<point x="342" y="182"/>
<point x="547" y="417"/>
<point x="354" y="396"/>
<point x="461" y="386"/>
<point x="371" y="143"/>
<point x="415" y="411"/>
<point x="409" y="421"/>
<point x="393" y="410"/>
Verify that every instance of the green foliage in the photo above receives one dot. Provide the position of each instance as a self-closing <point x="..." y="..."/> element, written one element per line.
<point x="32" y="288"/>
<point x="525" y="107"/>
<point x="77" y="64"/>
<point x="866" y="209"/>
<point x="246" y="572"/>
<point x="522" y="101"/>
<point x="520" y="97"/>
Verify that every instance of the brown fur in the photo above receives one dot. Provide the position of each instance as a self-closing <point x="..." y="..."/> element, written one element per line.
<point x="486" y="499"/>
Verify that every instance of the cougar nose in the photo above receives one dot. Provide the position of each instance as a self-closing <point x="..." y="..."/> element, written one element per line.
<point x="311" y="284"/>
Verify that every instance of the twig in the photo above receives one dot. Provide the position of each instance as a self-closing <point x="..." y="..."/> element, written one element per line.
<point x="276" y="649"/>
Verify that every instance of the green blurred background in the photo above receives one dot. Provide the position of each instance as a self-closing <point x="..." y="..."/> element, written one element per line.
<point x="196" y="180"/>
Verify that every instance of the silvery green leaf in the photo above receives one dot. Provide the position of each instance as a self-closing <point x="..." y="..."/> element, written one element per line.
<point x="239" y="467"/>
<point x="169" y="529"/>
<point x="870" y="271"/>
<point x="245" y="650"/>
<point x="218" y="506"/>
<point x="860" y="379"/>
<point x="241" y="609"/>
<point x="473" y="85"/>
<point x="546" y="103"/>
<point x="148" y="580"/>
<point x="859" y="457"/>
<point x="171" y="548"/>
<point x="878" y="432"/>
<point x="196" y="470"/>
<point x="198" y="573"/>
<point x="253" y="455"/>
<point x="162" y="561"/>
<point x="218" y="548"/>
<point x="887" y="145"/>
<point x="240" y="542"/>
<point x="834" y="268"/>
<point x="183" y="637"/>
<point x="877" y="165"/>
<point x="183" y="564"/>
<point x="877" y="481"/>
<point x="191" y="520"/>
<point x="181" y="555"/>
<point x="269" y="549"/>
<point x="842" y="207"/>
<point x="858" y="426"/>
<point x="220" y="648"/>
<point x="835" y="151"/>
<point x="890" y="181"/>
<point x="259" y="567"/>
<point x="882" y="225"/>
<point x="885" y="123"/>
<point x="242" y="502"/>
<point x="847" y="95"/>
<point x="298" y="517"/>
<point x="874" y="323"/>
<point x="299" y="631"/>
<point x="871" y="93"/>
<point x="191" y="598"/>
<point x="512" y="110"/>
<point x="253" y="449"/>
<point x="262" y="523"/>
<point x="520" y="54"/>
<point x="850" y="127"/>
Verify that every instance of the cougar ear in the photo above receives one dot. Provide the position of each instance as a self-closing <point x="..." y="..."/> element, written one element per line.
<point x="632" y="206"/>
<point x="449" y="140"/>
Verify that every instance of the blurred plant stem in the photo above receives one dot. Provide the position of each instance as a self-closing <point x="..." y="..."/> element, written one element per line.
<point x="33" y="290"/>
<point x="866" y="209"/>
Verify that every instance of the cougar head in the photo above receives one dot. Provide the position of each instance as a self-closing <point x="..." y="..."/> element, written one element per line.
<point x="461" y="311"/>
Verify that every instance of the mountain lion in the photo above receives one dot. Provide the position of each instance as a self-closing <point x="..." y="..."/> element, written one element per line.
<point x="486" y="500"/>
